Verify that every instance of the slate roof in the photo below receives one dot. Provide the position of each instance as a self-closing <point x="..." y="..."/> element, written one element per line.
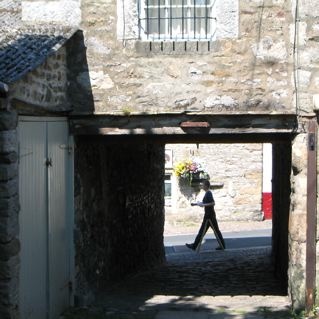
<point x="23" y="49"/>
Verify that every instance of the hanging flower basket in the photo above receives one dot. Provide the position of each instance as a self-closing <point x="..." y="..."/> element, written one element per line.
<point x="191" y="171"/>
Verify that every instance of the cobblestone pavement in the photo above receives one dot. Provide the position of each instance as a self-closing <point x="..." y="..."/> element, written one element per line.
<point x="230" y="284"/>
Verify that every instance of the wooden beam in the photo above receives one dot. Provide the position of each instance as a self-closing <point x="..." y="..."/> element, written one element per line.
<point x="311" y="215"/>
<point x="192" y="138"/>
<point x="182" y="124"/>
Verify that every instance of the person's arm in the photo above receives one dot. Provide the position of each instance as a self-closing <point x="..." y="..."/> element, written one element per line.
<point x="208" y="200"/>
<point x="201" y="204"/>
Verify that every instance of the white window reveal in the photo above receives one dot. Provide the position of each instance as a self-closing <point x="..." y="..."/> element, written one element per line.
<point x="177" y="20"/>
<point x="168" y="189"/>
<point x="172" y="24"/>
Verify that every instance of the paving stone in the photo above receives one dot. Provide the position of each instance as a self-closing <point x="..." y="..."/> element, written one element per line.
<point x="233" y="284"/>
<point x="181" y="315"/>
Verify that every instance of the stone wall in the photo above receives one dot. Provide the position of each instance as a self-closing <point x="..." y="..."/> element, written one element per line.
<point x="46" y="86"/>
<point x="308" y="78"/>
<point x="119" y="211"/>
<point x="306" y="62"/>
<point x="10" y="12"/>
<point x="9" y="208"/>
<point x="253" y="72"/>
<point x="79" y="90"/>
<point x="248" y="68"/>
<point x="235" y="169"/>
<point x="248" y="73"/>
<point x="297" y="221"/>
<point x="58" y="11"/>
<point x="317" y="234"/>
<point x="306" y="54"/>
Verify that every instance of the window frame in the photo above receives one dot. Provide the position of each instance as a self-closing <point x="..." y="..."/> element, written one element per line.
<point x="210" y="20"/>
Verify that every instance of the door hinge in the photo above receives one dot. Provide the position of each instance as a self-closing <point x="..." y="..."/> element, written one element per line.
<point x="312" y="142"/>
<point x="66" y="147"/>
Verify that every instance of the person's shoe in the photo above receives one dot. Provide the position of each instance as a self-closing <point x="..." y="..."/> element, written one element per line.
<point x="190" y="246"/>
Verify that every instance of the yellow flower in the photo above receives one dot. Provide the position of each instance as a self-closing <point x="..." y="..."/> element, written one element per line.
<point x="190" y="169"/>
<point x="182" y="167"/>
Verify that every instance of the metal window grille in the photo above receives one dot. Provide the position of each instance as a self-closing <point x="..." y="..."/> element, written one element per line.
<point x="177" y="19"/>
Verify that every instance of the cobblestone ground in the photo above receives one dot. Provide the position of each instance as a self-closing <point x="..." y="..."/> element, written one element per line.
<point x="230" y="284"/>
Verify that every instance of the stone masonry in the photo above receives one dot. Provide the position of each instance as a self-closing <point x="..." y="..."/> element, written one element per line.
<point x="247" y="68"/>
<point x="119" y="222"/>
<point x="264" y="60"/>
<point x="23" y="91"/>
<point x="10" y="13"/>
<point x="235" y="169"/>
<point x="58" y="11"/>
<point x="46" y="86"/>
<point x="9" y="208"/>
<point x="251" y="72"/>
<point x="297" y="220"/>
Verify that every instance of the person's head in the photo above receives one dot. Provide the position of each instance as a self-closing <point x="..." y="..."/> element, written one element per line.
<point x="206" y="184"/>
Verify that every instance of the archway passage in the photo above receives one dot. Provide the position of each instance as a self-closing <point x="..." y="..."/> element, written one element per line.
<point x="119" y="169"/>
<point x="120" y="220"/>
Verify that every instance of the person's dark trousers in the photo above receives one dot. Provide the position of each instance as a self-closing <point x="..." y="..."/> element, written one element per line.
<point x="209" y="218"/>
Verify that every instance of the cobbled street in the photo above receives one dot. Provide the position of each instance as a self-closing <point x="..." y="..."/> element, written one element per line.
<point x="230" y="284"/>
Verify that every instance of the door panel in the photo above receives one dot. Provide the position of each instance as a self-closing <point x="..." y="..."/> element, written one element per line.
<point x="33" y="220"/>
<point x="44" y="180"/>
<point x="58" y="204"/>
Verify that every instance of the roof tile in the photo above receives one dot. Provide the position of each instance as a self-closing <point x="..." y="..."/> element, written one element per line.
<point x="25" y="48"/>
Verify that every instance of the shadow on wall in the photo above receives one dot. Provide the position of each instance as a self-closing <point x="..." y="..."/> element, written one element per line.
<point x="119" y="215"/>
<point x="79" y="88"/>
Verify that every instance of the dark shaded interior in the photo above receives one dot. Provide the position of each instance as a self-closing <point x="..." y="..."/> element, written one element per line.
<point x="119" y="196"/>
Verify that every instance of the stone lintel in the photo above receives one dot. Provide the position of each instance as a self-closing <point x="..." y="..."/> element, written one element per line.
<point x="26" y="108"/>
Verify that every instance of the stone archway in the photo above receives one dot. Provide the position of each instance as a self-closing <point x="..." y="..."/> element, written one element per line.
<point x="103" y="204"/>
<point x="119" y="210"/>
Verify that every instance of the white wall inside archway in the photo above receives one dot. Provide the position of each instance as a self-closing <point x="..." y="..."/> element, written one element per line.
<point x="236" y="175"/>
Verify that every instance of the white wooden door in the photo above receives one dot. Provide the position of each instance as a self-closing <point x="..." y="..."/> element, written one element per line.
<point x="58" y="176"/>
<point x="33" y="220"/>
<point x="45" y="217"/>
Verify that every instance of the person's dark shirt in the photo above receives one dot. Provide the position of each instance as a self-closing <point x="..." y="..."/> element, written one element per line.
<point x="208" y="198"/>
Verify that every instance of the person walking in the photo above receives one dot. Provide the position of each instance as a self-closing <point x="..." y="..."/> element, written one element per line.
<point x="209" y="219"/>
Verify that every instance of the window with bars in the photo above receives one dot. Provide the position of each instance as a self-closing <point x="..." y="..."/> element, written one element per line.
<point x="177" y="19"/>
